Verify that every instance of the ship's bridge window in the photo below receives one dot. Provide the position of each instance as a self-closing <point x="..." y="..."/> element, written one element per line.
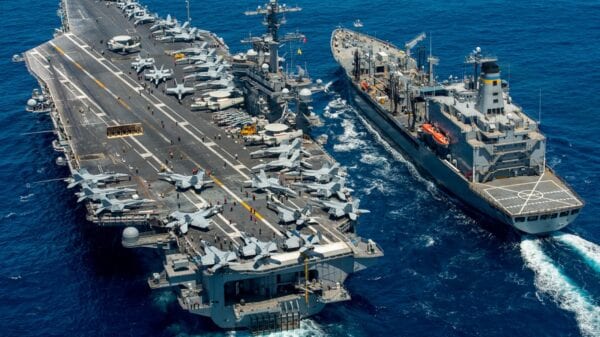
<point x="563" y="214"/>
<point x="495" y="83"/>
<point x="496" y="101"/>
<point x="553" y="215"/>
<point x="544" y="216"/>
<point x="532" y="218"/>
<point x="575" y="211"/>
<point x="520" y="219"/>
<point x="495" y="94"/>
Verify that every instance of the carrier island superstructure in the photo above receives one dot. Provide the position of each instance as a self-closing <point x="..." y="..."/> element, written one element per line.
<point x="465" y="133"/>
<point x="252" y="219"/>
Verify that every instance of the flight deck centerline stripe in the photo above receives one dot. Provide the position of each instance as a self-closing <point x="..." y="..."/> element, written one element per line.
<point x="259" y="216"/>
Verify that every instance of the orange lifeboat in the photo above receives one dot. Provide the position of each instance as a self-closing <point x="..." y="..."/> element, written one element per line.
<point x="428" y="128"/>
<point x="439" y="137"/>
<point x="364" y="85"/>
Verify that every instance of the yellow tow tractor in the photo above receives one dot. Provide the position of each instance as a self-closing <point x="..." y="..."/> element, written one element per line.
<point x="249" y="129"/>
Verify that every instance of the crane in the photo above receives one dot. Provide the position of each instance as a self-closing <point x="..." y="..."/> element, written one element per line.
<point x="412" y="43"/>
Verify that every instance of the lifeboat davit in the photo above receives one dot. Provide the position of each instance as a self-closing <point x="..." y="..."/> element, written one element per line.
<point x="439" y="137"/>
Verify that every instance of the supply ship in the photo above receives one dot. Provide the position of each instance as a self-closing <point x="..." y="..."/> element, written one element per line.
<point x="465" y="133"/>
<point x="198" y="154"/>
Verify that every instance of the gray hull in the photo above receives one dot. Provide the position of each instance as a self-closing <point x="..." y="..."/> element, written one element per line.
<point x="443" y="173"/>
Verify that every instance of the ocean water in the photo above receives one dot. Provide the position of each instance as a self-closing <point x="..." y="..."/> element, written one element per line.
<point x="442" y="275"/>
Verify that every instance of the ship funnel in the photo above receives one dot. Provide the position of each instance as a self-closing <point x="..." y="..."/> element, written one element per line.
<point x="489" y="99"/>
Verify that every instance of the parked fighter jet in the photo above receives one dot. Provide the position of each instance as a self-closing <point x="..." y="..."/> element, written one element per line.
<point x="222" y="83"/>
<point x="260" y="181"/>
<point x="284" y="163"/>
<point x="183" y="36"/>
<point x="184" y="182"/>
<point x="192" y="50"/>
<point x="168" y="33"/>
<point x="144" y="18"/>
<point x="123" y="44"/>
<point x="323" y="175"/>
<point x="284" y="147"/>
<point x="211" y="74"/>
<point x="305" y="243"/>
<point x="93" y="193"/>
<point x="287" y="214"/>
<point x="164" y="23"/>
<point x="202" y="61"/>
<point x="339" y="209"/>
<point x="180" y="90"/>
<point x="83" y="176"/>
<point x="198" y="219"/>
<point x="215" y="258"/>
<point x="135" y="12"/>
<point x="120" y="206"/>
<point x="158" y="75"/>
<point x="335" y="187"/>
<point x="255" y="248"/>
<point x="142" y="63"/>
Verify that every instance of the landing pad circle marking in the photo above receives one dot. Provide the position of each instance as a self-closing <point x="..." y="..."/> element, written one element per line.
<point x="530" y="195"/>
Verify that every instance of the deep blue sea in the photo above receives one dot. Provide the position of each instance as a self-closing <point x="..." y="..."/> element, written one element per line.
<point x="442" y="275"/>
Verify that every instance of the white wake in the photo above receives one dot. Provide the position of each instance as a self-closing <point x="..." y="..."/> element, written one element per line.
<point x="395" y="154"/>
<point x="550" y="280"/>
<point x="589" y="251"/>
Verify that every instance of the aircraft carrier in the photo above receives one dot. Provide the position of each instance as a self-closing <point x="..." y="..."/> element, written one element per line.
<point x="465" y="133"/>
<point x="251" y="217"/>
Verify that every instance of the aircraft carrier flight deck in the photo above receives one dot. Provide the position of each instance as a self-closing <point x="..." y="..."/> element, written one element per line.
<point x="248" y="243"/>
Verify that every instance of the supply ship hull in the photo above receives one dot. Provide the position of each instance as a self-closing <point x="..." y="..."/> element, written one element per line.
<point x="531" y="204"/>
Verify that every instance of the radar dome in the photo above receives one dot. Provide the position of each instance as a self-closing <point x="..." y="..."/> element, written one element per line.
<point x="305" y="95"/>
<point x="130" y="235"/>
<point x="305" y="92"/>
<point x="285" y="91"/>
<point x="265" y="67"/>
<point x="31" y="102"/>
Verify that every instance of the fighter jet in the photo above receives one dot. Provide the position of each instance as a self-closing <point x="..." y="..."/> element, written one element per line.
<point x="284" y="163"/>
<point x="123" y="44"/>
<point x="135" y="12"/>
<point x="339" y="209"/>
<point x="284" y="147"/>
<point x="184" y="36"/>
<point x="144" y="18"/>
<point x="203" y="61"/>
<point x="193" y="50"/>
<point x="260" y="181"/>
<point x="169" y="33"/>
<point x="287" y="214"/>
<point x="335" y="187"/>
<point x="323" y="175"/>
<point x="255" y="248"/>
<point x="184" y="182"/>
<point x="164" y="23"/>
<point x="83" y="176"/>
<point x="305" y="243"/>
<point x="93" y="193"/>
<point x="120" y="206"/>
<point x="222" y="83"/>
<point x="211" y="74"/>
<point x="215" y="258"/>
<point x="142" y="63"/>
<point x="198" y="219"/>
<point x="180" y="90"/>
<point x="128" y="6"/>
<point x="158" y="75"/>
